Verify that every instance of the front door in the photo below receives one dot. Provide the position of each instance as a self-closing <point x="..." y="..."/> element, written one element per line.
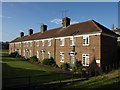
<point x="72" y="60"/>
<point x="26" y="54"/>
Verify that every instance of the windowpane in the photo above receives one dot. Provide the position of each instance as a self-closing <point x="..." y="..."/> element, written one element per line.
<point x="85" y="40"/>
<point x="85" y="59"/>
<point x="62" y="42"/>
<point x="49" y="42"/>
<point x="61" y="57"/>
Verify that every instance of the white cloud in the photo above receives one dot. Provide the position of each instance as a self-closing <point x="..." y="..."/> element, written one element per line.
<point x="73" y="22"/>
<point x="59" y="21"/>
<point x="56" y="21"/>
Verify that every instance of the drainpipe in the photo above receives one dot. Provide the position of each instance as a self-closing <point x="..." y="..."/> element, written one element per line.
<point x="54" y="48"/>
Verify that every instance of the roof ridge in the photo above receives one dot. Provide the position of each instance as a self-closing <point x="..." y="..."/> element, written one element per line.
<point x="79" y="22"/>
<point x="94" y="22"/>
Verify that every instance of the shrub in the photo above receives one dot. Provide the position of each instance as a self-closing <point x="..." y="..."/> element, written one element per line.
<point x="65" y="66"/>
<point x="50" y="62"/>
<point x="33" y="59"/>
<point x="77" y="67"/>
<point x="15" y="54"/>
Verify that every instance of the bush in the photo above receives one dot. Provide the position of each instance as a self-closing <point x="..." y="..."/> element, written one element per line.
<point x="77" y="67"/>
<point x="33" y="59"/>
<point x="65" y="66"/>
<point x="50" y="62"/>
<point x="15" y="54"/>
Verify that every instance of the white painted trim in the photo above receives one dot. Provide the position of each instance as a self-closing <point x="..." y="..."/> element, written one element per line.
<point x="26" y="41"/>
<point x="17" y="42"/>
<point x="97" y="61"/>
<point x="62" y="61"/>
<point x="91" y="34"/>
<point x="44" y="39"/>
<point x="109" y="35"/>
<point x="87" y="35"/>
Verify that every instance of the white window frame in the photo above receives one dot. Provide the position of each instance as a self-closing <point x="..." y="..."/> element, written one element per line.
<point x="24" y="53"/>
<point x="30" y="44"/>
<point x="49" y="42"/>
<point x="62" y="56"/>
<point x="26" y="44"/>
<point x="85" y="40"/>
<point x="37" y="54"/>
<point x="43" y="55"/>
<point x="43" y="43"/>
<point x="37" y="43"/>
<point x="49" y="54"/>
<point x="62" y="41"/>
<point x="30" y="53"/>
<point x="86" y="57"/>
<point x="72" y="41"/>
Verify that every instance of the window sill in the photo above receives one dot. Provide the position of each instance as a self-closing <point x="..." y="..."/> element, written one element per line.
<point x="86" y="44"/>
<point x="86" y="65"/>
<point x="61" y="45"/>
<point x="62" y="61"/>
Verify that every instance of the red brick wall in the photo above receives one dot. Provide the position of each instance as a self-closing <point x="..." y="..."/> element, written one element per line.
<point x="108" y="51"/>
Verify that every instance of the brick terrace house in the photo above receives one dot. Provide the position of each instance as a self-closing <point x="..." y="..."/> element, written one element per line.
<point x="117" y="31"/>
<point x="89" y="42"/>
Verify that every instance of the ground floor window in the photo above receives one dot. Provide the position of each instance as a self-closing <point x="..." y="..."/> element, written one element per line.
<point x="49" y="54"/>
<point x="61" y="56"/>
<point x="85" y="59"/>
<point x="43" y="56"/>
<point x="30" y="53"/>
<point x="37" y="54"/>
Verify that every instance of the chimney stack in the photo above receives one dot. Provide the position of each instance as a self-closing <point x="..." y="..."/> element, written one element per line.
<point x="43" y="28"/>
<point x="30" y="31"/>
<point x="66" y="22"/>
<point x="21" y="34"/>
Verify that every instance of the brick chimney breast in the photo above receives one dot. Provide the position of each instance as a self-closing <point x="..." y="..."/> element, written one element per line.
<point x="66" y="22"/>
<point x="43" y="28"/>
<point x="30" y="31"/>
<point x="21" y="34"/>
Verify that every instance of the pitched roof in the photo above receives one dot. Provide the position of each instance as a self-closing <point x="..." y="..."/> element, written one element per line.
<point x="73" y="29"/>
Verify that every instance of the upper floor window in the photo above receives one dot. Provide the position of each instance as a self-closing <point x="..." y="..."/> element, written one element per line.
<point x="62" y="42"/>
<point x="86" y="40"/>
<point x="61" y="56"/>
<point x="49" y="42"/>
<point x="37" y="43"/>
<point x="30" y="44"/>
<point x="43" y="43"/>
<point x="85" y="59"/>
<point x="72" y="41"/>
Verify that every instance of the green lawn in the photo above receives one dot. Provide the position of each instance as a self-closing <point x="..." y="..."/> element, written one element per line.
<point x="110" y="80"/>
<point x="16" y="67"/>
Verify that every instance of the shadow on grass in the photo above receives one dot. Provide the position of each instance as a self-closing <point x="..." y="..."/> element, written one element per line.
<point x="18" y="77"/>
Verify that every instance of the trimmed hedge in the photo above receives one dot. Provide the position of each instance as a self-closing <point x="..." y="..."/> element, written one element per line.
<point x="77" y="67"/>
<point x="15" y="54"/>
<point x="33" y="59"/>
<point x="65" y="66"/>
<point x="50" y="62"/>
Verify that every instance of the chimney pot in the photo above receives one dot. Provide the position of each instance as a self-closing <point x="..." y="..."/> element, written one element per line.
<point x="21" y="34"/>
